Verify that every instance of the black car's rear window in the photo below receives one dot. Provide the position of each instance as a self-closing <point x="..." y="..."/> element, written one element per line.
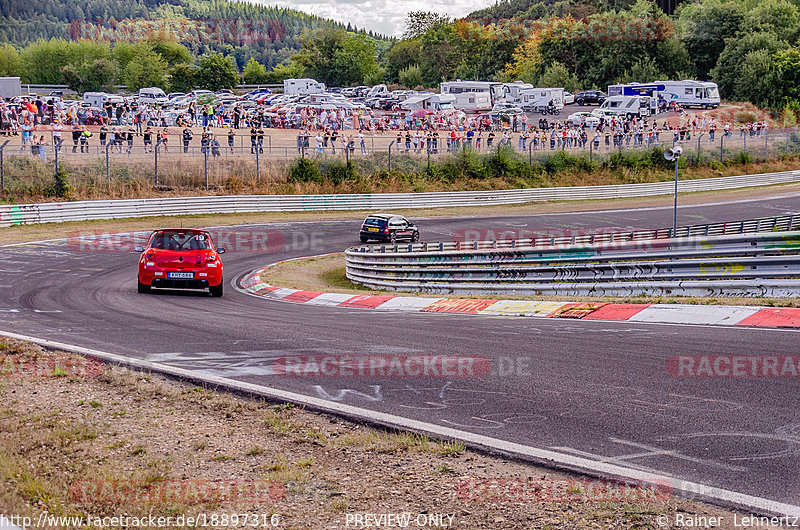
<point x="375" y="221"/>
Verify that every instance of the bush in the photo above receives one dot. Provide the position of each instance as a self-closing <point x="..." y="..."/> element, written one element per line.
<point x="504" y="162"/>
<point x="743" y="158"/>
<point x="339" y="172"/>
<point x="744" y="116"/>
<point x="60" y="186"/>
<point x="305" y="170"/>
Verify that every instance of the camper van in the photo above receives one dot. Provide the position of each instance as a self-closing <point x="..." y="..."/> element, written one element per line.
<point x="536" y="99"/>
<point x="472" y="95"/>
<point x="688" y="93"/>
<point x="152" y="96"/>
<point x="432" y="102"/>
<point x="513" y="92"/>
<point x="98" y="99"/>
<point x="303" y="86"/>
<point x="627" y="106"/>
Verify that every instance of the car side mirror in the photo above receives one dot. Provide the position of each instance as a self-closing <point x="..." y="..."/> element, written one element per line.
<point x="221" y="250"/>
<point x="138" y="248"/>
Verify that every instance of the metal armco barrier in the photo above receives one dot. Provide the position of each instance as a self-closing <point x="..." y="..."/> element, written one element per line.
<point x="115" y="209"/>
<point x="762" y="264"/>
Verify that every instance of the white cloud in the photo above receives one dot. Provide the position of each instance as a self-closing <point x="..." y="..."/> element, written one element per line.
<point x="381" y="16"/>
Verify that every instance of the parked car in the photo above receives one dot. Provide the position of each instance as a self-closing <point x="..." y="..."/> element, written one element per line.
<point x="590" y="97"/>
<point x="579" y="118"/>
<point x="505" y="111"/>
<point x="568" y="98"/>
<point x="180" y="258"/>
<point x="388" y="227"/>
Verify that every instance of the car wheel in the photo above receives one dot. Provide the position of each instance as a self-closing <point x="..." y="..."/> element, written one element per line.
<point x="393" y="237"/>
<point x="216" y="290"/>
<point x="143" y="288"/>
<point x="415" y="237"/>
<point x="579" y="102"/>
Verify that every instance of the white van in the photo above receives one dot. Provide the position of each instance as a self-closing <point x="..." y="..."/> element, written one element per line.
<point x="152" y="96"/>
<point x="537" y="99"/>
<point x="98" y="99"/>
<point x="628" y="106"/>
<point x="302" y="86"/>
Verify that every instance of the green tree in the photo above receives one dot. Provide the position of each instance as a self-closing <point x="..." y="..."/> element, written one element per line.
<point x="787" y="65"/>
<point x="10" y="64"/>
<point x="254" y="72"/>
<point x="281" y="72"/>
<point x="336" y="58"/>
<point x="704" y="26"/>
<point x="171" y="51"/>
<point x="557" y="75"/>
<point x="758" y="80"/>
<point x="420" y="22"/>
<point x="411" y="76"/>
<point x="728" y="69"/>
<point x="148" y="70"/>
<point x="182" y="77"/>
<point x="402" y="55"/>
<point x="643" y="71"/>
<point x="778" y="17"/>
<point x="215" y="71"/>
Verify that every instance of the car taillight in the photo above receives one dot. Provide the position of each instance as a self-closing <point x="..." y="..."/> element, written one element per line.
<point x="211" y="257"/>
<point x="149" y="256"/>
<point x="386" y="230"/>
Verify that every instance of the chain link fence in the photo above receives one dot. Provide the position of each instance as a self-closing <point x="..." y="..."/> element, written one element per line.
<point x="235" y="165"/>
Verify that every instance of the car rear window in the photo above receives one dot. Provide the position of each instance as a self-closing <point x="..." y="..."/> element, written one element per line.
<point x="181" y="241"/>
<point x="375" y="221"/>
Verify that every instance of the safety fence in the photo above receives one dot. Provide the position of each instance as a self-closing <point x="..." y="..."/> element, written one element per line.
<point x="196" y="165"/>
<point x="742" y="264"/>
<point x="115" y="209"/>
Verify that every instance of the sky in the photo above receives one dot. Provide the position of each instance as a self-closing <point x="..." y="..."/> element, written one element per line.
<point x="382" y="16"/>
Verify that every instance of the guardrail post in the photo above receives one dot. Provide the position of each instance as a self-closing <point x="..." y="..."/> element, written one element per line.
<point x="2" y="168"/>
<point x="744" y="141"/>
<point x="766" y="146"/>
<point x="675" y="205"/>
<point x="155" y="164"/>
<point x="390" y="154"/>
<point x="591" y="143"/>
<point x="108" y="168"/>
<point x="721" y="141"/>
<point x="530" y="154"/>
<point x="787" y="144"/>
<point x="258" y="168"/>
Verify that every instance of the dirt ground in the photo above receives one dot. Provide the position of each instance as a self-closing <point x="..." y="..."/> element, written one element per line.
<point x="105" y="441"/>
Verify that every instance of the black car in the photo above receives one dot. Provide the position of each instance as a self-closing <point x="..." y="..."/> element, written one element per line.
<point x="388" y="227"/>
<point x="590" y="97"/>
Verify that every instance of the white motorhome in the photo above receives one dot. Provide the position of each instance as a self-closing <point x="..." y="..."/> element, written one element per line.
<point x="536" y="99"/>
<point x="377" y="91"/>
<point x="431" y="102"/>
<point x="627" y="106"/>
<point x="98" y="99"/>
<point x="513" y="91"/>
<point x="302" y="86"/>
<point x="472" y="95"/>
<point x="689" y="93"/>
<point x="152" y="95"/>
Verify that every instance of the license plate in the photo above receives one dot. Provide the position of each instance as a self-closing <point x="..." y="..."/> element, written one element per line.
<point x="184" y="275"/>
<point x="372" y="229"/>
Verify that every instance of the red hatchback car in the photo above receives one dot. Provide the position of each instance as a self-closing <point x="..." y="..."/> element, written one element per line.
<point x="180" y="258"/>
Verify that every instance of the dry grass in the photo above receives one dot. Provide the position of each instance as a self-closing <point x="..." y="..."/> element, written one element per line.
<point x="152" y="432"/>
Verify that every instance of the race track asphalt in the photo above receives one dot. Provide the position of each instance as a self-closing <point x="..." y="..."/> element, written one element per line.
<point x="597" y="389"/>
